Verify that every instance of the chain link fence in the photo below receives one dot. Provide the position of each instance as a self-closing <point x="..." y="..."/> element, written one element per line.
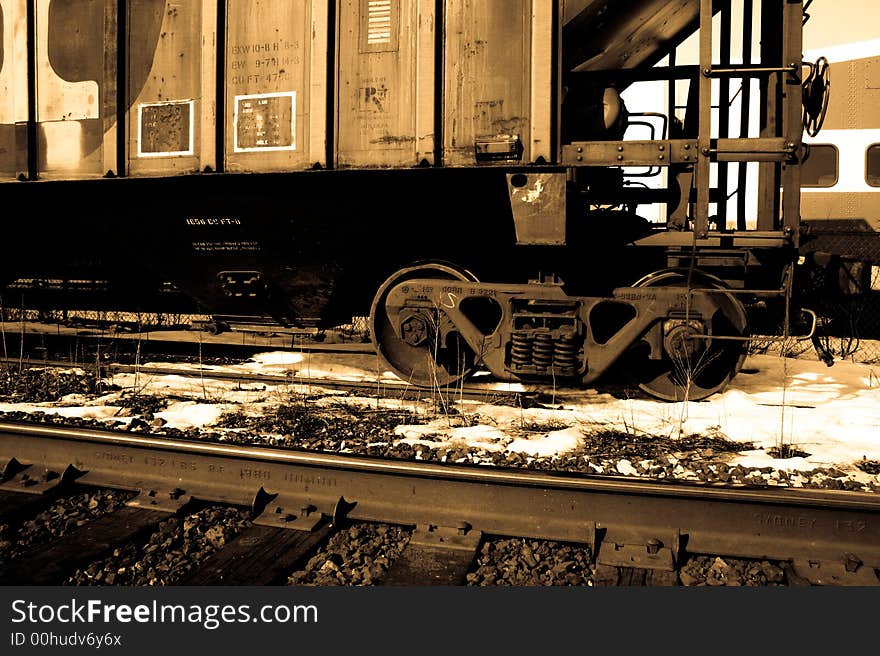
<point x="357" y="330"/>
<point x="111" y="320"/>
<point x="845" y="294"/>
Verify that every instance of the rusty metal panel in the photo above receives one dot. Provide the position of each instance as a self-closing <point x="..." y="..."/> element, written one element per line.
<point x="488" y="74"/>
<point x="164" y="86"/>
<point x="270" y="45"/>
<point x="76" y="89"/>
<point x="537" y="201"/>
<point x="385" y="83"/>
<point x="13" y="88"/>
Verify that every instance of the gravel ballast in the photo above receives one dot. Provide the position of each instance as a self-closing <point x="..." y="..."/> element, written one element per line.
<point x="520" y="562"/>
<point x="359" y="555"/>
<point x="731" y="572"/>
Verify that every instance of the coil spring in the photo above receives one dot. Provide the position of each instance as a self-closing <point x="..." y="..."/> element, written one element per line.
<point x="542" y="350"/>
<point x="521" y="349"/>
<point x="565" y="354"/>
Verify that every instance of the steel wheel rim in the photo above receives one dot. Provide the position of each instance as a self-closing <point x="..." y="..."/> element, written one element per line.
<point x="433" y="365"/>
<point x="711" y="371"/>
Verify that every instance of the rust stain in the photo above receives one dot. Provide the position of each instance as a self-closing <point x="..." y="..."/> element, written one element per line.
<point x="389" y="139"/>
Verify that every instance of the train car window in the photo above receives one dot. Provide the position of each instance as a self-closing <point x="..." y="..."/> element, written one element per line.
<point x="820" y="168"/>
<point x="872" y="165"/>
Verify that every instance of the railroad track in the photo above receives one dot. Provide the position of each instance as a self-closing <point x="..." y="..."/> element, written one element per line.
<point x="297" y="500"/>
<point x="382" y="387"/>
<point x="490" y="390"/>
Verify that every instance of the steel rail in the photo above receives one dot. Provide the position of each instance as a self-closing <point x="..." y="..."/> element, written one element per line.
<point x="290" y="486"/>
<point x="371" y="387"/>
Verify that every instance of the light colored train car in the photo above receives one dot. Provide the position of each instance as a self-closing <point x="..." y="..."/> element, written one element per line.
<point x="840" y="199"/>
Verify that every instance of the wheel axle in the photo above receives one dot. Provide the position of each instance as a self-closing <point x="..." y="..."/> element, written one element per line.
<point x="415" y="329"/>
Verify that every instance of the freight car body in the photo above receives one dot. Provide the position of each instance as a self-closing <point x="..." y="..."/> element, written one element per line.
<point x="310" y="160"/>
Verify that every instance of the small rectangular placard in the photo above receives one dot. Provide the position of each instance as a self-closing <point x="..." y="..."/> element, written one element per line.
<point x="265" y="121"/>
<point x="165" y="129"/>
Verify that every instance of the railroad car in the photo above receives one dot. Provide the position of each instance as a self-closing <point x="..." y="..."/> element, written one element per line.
<point x="456" y="169"/>
<point x="840" y="202"/>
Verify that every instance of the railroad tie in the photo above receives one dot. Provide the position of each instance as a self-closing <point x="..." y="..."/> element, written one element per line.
<point x="435" y="556"/>
<point x="51" y="563"/>
<point x="261" y="555"/>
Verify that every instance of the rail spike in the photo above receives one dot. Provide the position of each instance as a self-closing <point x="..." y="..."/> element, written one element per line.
<point x="70" y="474"/>
<point x="10" y="469"/>
<point x="261" y="500"/>
<point x="341" y="509"/>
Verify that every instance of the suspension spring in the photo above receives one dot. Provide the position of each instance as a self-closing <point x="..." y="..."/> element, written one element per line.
<point x="565" y="354"/>
<point x="521" y="349"/>
<point x="542" y="350"/>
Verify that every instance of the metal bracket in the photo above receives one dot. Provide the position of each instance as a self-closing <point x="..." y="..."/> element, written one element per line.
<point x="537" y="201"/>
<point x="17" y="477"/>
<point x="461" y="537"/>
<point x="759" y="149"/>
<point x="651" y="555"/>
<point x="171" y="501"/>
<point x="268" y="510"/>
<point x="850" y="571"/>
<point x="744" y="70"/>
<point x="303" y="518"/>
<point x="630" y="153"/>
<point x="633" y="549"/>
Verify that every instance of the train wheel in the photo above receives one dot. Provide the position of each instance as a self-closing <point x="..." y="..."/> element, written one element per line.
<point x="216" y="327"/>
<point x="433" y="354"/>
<point x="694" y="369"/>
